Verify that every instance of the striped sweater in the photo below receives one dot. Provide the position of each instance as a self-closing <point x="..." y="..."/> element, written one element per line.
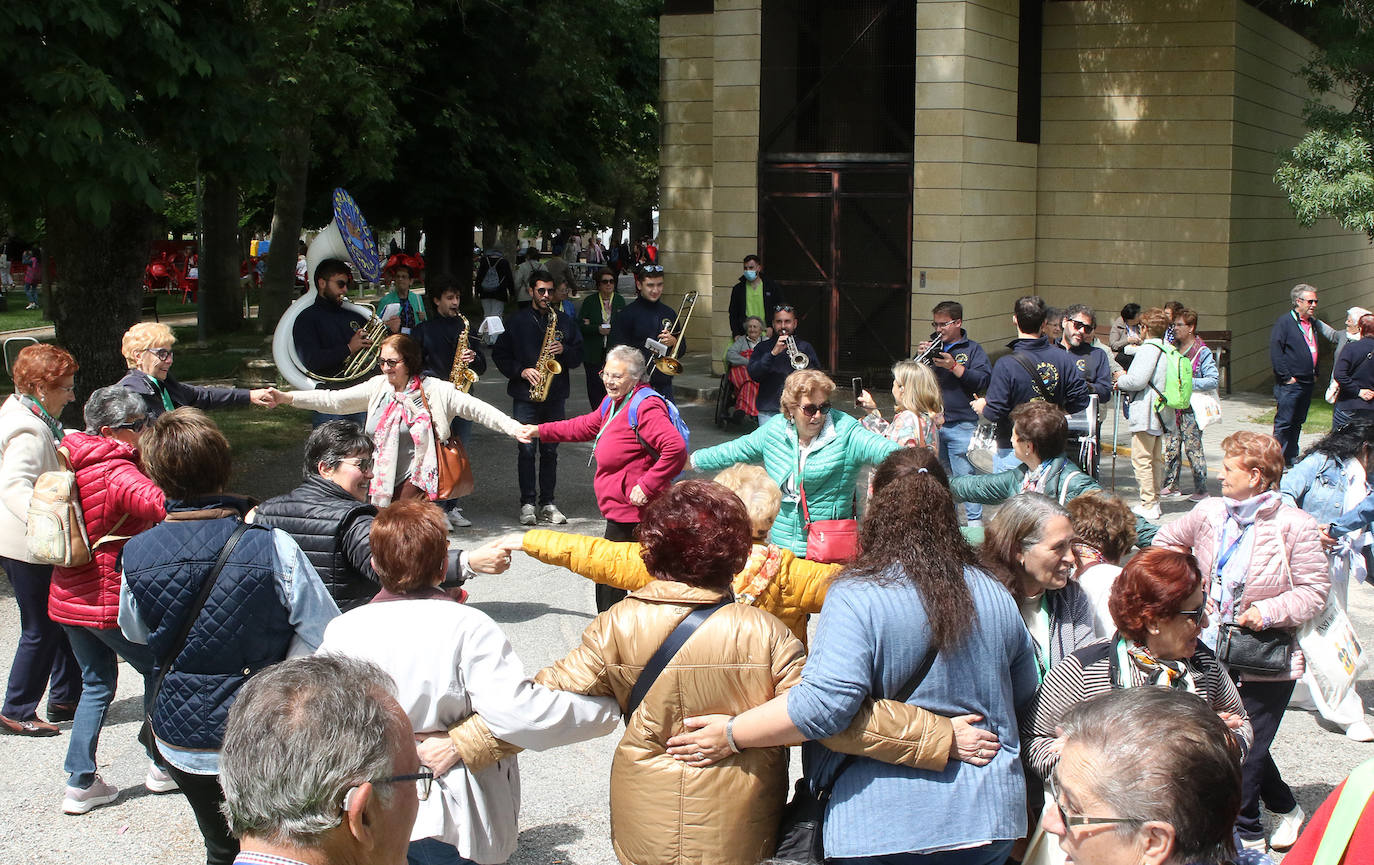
<point x="1093" y="670"/>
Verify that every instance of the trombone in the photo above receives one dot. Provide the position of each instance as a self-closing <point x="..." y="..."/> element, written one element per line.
<point x="669" y="364"/>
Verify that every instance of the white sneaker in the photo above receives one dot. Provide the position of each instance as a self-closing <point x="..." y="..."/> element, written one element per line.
<point x="1259" y="845"/>
<point x="456" y="519"/>
<point x="1152" y="513"/>
<point x="1285" y="834"/>
<point x="527" y="515"/>
<point x="551" y="514"/>
<point x="1359" y="732"/>
<point x="158" y="781"/>
<point x="78" y="801"/>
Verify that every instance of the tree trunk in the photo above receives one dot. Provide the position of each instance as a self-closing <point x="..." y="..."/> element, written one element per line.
<point x="508" y="241"/>
<point x="219" y="297"/>
<point x="98" y="297"/>
<point x="279" y="282"/>
<point x="618" y="224"/>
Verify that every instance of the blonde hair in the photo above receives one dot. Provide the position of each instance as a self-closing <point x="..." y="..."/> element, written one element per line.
<point x="801" y="383"/>
<point x="920" y="389"/>
<point x="761" y="495"/>
<point x="142" y="336"/>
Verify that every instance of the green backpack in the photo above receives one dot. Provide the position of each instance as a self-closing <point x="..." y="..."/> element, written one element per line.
<point x="1178" y="378"/>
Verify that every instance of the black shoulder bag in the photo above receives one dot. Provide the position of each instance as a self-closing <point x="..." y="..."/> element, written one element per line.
<point x="145" y="733"/>
<point x="801" y="835"/>
<point x="1038" y="382"/>
<point x="665" y="653"/>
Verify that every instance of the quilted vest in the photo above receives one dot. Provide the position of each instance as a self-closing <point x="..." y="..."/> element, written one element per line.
<point x="316" y="514"/>
<point x="242" y="628"/>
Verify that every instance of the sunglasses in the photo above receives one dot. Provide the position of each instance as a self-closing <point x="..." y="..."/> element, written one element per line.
<point x="135" y="425"/>
<point x="1196" y="615"/>
<point x="362" y="464"/>
<point x="784" y="307"/>
<point x="650" y="268"/>
<point x="388" y="363"/>
<point x="607" y="281"/>
<point x="1079" y="325"/>
<point x="541" y="291"/>
<point x="810" y="410"/>
<point x="160" y="353"/>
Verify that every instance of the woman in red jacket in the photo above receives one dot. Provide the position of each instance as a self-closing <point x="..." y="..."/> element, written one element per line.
<point x="633" y="464"/>
<point x="117" y="500"/>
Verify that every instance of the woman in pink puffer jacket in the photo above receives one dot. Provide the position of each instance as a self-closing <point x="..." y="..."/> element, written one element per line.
<point x="1265" y="568"/>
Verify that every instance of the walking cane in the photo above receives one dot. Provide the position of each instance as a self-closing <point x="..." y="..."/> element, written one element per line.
<point x="1116" y="415"/>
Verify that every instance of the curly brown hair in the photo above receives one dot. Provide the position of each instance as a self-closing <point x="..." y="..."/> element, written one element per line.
<point x="911" y="523"/>
<point x="1103" y="521"/>
<point x="1151" y="588"/>
<point x="696" y="533"/>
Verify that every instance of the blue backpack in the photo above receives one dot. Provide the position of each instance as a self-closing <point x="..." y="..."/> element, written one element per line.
<point x="633" y="416"/>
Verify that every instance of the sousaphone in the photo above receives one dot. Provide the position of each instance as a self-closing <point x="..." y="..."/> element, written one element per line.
<point x="347" y="238"/>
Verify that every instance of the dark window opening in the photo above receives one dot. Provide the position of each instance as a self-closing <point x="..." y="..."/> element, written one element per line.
<point x="1028" y="71"/>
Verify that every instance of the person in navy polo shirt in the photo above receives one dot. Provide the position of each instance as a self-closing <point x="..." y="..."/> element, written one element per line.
<point x="963" y="370"/>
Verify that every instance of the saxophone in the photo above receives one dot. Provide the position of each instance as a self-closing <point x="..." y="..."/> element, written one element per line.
<point x="547" y="365"/>
<point x="462" y="377"/>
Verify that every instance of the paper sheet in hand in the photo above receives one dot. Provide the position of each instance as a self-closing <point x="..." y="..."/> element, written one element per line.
<point x="392" y="310"/>
<point x="491" y="326"/>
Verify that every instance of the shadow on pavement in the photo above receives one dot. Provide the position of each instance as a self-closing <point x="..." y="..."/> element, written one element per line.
<point x="523" y="611"/>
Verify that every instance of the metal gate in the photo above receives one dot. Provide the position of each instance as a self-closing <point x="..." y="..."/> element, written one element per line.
<point x="835" y="238"/>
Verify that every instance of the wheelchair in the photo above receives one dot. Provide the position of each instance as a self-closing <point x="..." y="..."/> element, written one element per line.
<point x="726" y="394"/>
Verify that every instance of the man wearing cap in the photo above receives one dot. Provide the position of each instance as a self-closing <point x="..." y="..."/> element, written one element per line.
<point x="647" y="317"/>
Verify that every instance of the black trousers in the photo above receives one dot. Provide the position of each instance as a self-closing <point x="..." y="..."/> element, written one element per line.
<point x="607" y="596"/>
<point x="43" y="659"/>
<point x="1265" y="703"/>
<point x="205" y="796"/>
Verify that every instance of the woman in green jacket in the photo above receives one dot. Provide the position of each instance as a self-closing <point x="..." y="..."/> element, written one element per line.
<point x="806" y="448"/>
<point x="1038" y="433"/>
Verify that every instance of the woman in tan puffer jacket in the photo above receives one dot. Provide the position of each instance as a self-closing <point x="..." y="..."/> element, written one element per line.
<point x="695" y="538"/>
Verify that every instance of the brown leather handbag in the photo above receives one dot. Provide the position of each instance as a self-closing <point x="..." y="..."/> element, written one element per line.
<point x="455" y="469"/>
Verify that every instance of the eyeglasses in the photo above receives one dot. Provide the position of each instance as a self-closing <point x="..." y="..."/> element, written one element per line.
<point x="389" y="362"/>
<point x="1076" y="820"/>
<point x="362" y="464"/>
<point x="606" y="281"/>
<point x="160" y="353"/>
<point x="1080" y="325"/>
<point x="940" y="324"/>
<point x="613" y="377"/>
<point x="135" y="425"/>
<point x="1196" y="615"/>
<point x="423" y="780"/>
<point x="647" y="269"/>
<point x="810" y="410"/>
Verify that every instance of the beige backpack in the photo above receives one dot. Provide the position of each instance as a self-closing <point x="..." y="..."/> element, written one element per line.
<point x="56" y="530"/>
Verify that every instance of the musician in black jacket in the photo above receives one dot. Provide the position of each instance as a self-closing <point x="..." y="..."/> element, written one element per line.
<point x="645" y="318"/>
<point x="516" y="354"/>
<point x="326" y="334"/>
<point x="770" y="364"/>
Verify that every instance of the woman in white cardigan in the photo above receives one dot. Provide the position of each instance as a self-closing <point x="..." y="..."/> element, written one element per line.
<point x="408" y="414"/>
<point x="450" y="660"/>
<point x="44" y="382"/>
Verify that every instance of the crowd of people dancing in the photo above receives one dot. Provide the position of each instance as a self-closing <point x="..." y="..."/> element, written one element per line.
<point x="973" y="679"/>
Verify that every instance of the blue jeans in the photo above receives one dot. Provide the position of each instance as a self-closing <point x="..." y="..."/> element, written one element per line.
<point x="98" y="652"/>
<point x="31" y="291"/>
<point x="1006" y="459"/>
<point x="992" y="853"/>
<point x="538" y="412"/>
<point x="954" y="439"/>
<point x="432" y="851"/>
<point x="1291" y="404"/>
<point x="1341" y="418"/>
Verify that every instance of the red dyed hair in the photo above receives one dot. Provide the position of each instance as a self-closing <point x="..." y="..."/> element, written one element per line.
<point x="1152" y="587"/>
<point x="696" y="533"/>
<point x="409" y="545"/>
<point x="1256" y="451"/>
<point x="41" y="364"/>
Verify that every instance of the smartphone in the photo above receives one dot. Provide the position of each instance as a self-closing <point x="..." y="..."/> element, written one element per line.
<point x="858" y="385"/>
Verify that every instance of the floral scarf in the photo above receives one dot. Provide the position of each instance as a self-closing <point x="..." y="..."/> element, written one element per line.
<point x="1088" y="556"/>
<point x="764" y="562"/>
<point x="41" y="413"/>
<point x="404" y="409"/>
<point x="1139" y="666"/>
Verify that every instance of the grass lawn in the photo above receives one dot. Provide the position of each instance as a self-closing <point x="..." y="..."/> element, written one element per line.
<point x="1318" y="416"/>
<point x="18" y="318"/>
<point x="251" y="429"/>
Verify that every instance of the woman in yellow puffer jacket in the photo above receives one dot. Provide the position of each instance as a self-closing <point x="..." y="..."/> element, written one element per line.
<point x="774" y="579"/>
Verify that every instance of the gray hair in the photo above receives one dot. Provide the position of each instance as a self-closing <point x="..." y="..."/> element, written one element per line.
<point x="299" y="736"/>
<point x="112" y="406"/>
<point x="1162" y="755"/>
<point x="1018" y="525"/>
<point x="633" y="359"/>
<point x="1071" y="311"/>
<point x="332" y="442"/>
<point x="1299" y="289"/>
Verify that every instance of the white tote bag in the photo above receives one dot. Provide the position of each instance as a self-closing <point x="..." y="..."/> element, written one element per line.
<point x="1333" y="652"/>
<point x="1206" y="405"/>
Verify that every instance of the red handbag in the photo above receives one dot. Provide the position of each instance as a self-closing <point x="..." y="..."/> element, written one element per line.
<point x="829" y="541"/>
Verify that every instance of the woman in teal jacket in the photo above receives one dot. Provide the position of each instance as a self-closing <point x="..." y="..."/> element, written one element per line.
<point x="807" y="446"/>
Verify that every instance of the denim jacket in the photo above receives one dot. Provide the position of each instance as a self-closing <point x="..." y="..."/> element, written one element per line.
<point x="1317" y="485"/>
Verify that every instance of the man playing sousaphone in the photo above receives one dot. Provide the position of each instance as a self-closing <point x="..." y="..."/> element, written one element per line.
<point x="535" y="352"/>
<point x="327" y="333"/>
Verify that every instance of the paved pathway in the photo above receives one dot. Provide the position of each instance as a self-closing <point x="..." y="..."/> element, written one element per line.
<point x="543" y="609"/>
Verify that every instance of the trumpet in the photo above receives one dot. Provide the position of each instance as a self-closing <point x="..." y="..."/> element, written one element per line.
<point x="669" y="364"/>
<point x="936" y="346"/>
<point x="795" y="356"/>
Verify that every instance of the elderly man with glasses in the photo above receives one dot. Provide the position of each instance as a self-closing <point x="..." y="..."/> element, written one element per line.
<point x="1293" y="356"/>
<point x="319" y="765"/>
